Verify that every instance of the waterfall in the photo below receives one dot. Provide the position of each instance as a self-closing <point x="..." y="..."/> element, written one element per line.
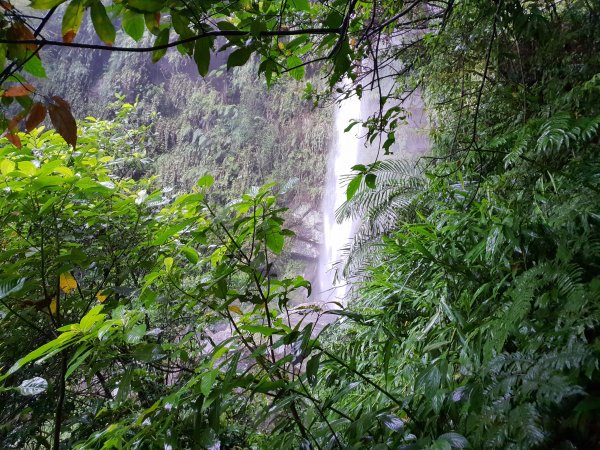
<point x="343" y="154"/>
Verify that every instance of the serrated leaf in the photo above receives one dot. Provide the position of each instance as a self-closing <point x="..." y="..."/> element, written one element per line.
<point x="33" y="386"/>
<point x="102" y="24"/>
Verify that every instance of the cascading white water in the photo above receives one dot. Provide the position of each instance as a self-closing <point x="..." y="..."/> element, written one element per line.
<point x="342" y="156"/>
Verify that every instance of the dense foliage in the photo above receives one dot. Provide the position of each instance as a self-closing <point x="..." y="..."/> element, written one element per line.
<point x="136" y="319"/>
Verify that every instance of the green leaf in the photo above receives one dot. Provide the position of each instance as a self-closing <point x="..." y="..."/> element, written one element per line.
<point x="190" y="254"/>
<point x="208" y="379"/>
<point x="146" y="5"/>
<point x="135" y="333"/>
<point x="77" y="360"/>
<point x="161" y="39"/>
<point x="102" y="24"/>
<point x="275" y="241"/>
<point x="206" y="181"/>
<point x="265" y="331"/>
<point x="35" y="67"/>
<point x="202" y="55"/>
<point x="370" y="180"/>
<point x="391" y="421"/>
<point x="455" y="440"/>
<point x="10" y="287"/>
<point x="312" y="367"/>
<point x="300" y="5"/>
<point x="133" y="24"/>
<point x="239" y="57"/>
<point x="45" y="4"/>
<point x="353" y="186"/>
<point x="296" y="72"/>
<point x="72" y="19"/>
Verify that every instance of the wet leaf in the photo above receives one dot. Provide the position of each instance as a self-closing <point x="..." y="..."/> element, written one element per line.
<point x="33" y="386"/>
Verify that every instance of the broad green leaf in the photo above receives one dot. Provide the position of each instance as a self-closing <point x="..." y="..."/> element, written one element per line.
<point x="146" y="5"/>
<point x="370" y="180"/>
<point x="239" y="57"/>
<point x="45" y="4"/>
<point x="353" y="186"/>
<point x="275" y="241"/>
<point x="300" y="5"/>
<point x="168" y="262"/>
<point x="133" y="24"/>
<point x="455" y="440"/>
<point x="206" y="181"/>
<point x="208" y="379"/>
<point x="72" y="18"/>
<point x="161" y="39"/>
<point x="202" y="55"/>
<point x="135" y="333"/>
<point x="292" y="64"/>
<point x="6" y="166"/>
<point x="190" y="254"/>
<point x="35" y="67"/>
<point x="102" y="24"/>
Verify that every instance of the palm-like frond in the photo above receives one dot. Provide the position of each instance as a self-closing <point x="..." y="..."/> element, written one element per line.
<point x="379" y="209"/>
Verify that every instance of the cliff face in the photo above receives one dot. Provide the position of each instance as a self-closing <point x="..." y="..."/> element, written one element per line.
<point x="228" y="124"/>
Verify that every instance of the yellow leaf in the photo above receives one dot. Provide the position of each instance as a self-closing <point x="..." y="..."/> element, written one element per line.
<point x="235" y="309"/>
<point x="53" y="306"/>
<point x="67" y="282"/>
<point x="281" y="45"/>
<point x="101" y="297"/>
